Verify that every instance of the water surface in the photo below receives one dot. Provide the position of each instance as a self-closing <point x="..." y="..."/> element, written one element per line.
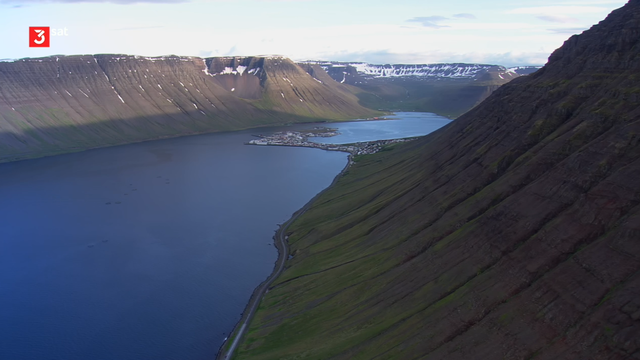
<point x="149" y="250"/>
<point x="400" y="125"/>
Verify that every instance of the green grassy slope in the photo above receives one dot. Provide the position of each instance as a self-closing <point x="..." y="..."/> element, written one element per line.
<point x="511" y="233"/>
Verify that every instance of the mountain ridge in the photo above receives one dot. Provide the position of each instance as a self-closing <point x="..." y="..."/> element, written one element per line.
<point x="435" y="70"/>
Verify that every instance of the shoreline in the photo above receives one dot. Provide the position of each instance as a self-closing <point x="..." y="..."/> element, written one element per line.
<point x="301" y="139"/>
<point x="4" y="159"/>
<point x="15" y="157"/>
<point x="281" y="243"/>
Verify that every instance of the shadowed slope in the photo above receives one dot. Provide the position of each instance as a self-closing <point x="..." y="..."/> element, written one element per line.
<point x="511" y="233"/>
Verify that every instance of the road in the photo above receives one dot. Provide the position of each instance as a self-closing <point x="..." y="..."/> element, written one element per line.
<point x="283" y="254"/>
<point x="257" y="297"/>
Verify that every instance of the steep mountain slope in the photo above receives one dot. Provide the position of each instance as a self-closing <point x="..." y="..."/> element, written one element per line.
<point x="512" y="233"/>
<point x="446" y="89"/>
<point x="62" y="103"/>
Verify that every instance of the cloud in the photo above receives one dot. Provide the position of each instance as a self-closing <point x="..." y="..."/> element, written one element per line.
<point x="435" y="56"/>
<point x="465" y="16"/>
<point x="139" y="28"/>
<point x="590" y="2"/>
<point x="121" y="2"/>
<point x="567" y="31"/>
<point x="557" y="18"/>
<point x="233" y="51"/>
<point x="556" y="10"/>
<point x="430" y="21"/>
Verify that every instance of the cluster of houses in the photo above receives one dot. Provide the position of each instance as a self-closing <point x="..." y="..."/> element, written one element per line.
<point x="294" y="138"/>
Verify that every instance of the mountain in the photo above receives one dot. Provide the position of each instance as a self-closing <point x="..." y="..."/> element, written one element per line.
<point x="446" y="89"/>
<point x="354" y="73"/>
<point x="511" y="233"/>
<point x="65" y="103"/>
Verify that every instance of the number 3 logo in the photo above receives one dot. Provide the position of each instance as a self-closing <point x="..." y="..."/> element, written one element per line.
<point x="39" y="36"/>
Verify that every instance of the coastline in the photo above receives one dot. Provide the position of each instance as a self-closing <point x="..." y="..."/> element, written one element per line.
<point x="281" y="244"/>
<point x="70" y="150"/>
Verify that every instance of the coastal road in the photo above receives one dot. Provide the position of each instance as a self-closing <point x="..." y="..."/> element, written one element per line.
<point x="257" y="296"/>
<point x="283" y="254"/>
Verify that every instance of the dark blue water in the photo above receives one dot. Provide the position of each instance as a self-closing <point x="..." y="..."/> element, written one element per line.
<point x="149" y="250"/>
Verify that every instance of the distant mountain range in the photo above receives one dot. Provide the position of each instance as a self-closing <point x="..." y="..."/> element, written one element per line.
<point x="354" y="72"/>
<point x="446" y="89"/>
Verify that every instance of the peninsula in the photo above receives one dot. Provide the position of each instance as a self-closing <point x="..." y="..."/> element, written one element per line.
<point x="301" y="139"/>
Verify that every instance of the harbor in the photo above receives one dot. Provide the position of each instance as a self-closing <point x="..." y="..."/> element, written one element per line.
<point x="301" y="139"/>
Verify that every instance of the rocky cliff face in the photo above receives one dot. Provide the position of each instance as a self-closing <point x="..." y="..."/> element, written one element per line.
<point x="62" y="103"/>
<point x="446" y="89"/>
<point x="512" y="233"/>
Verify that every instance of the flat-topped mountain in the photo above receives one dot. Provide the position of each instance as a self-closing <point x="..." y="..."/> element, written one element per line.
<point x="447" y="89"/>
<point x="64" y="103"/>
<point x="355" y="72"/>
<point x="511" y="233"/>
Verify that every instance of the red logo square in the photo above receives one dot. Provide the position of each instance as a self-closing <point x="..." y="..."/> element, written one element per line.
<point x="38" y="36"/>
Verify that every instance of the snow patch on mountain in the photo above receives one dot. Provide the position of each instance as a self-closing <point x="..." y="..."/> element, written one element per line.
<point x="432" y="70"/>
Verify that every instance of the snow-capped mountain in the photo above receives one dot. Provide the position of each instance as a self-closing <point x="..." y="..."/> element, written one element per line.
<point x="447" y="89"/>
<point x="432" y="70"/>
<point x="357" y="72"/>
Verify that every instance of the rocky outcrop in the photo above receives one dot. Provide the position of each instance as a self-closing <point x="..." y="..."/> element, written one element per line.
<point x="512" y="233"/>
<point x="66" y="103"/>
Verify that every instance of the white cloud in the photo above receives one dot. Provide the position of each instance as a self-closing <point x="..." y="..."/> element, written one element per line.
<point x="557" y="18"/>
<point x="301" y="29"/>
<point x="555" y="10"/>
<point x="386" y="56"/>
<point x="567" y="31"/>
<point x="492" y="26"/>
<point x="119" y="2"/>
<point x="430" y="21"/>
<point x="465" y="16"/>
<point x="590" y="2"/>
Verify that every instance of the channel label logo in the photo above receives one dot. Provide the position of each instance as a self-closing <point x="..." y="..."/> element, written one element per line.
<point x="39" y="36"/>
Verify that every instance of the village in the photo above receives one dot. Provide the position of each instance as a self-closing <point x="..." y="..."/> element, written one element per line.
<point x="301" y="139"/>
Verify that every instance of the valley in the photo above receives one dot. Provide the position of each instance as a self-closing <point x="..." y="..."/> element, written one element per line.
<point x="446" y="89"/>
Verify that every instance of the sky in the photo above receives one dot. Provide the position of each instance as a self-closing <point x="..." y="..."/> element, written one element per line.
<point x="503" y="32"/>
